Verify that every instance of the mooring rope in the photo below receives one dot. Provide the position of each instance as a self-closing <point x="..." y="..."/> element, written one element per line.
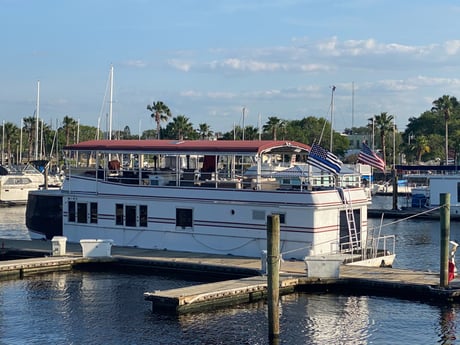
<point x="408" y="217"/>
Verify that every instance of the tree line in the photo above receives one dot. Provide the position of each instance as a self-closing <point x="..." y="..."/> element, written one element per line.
<point x="434" y="134"/>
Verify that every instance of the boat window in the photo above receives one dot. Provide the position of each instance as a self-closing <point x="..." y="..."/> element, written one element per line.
<point x="71" y="211"/>
<point x="458" y="192"/>
<point x="282" y="218"/>
<point x="258" y="214"/>
<point x="93" y="212"/>
<point x="130" y="215"/>
<point x="184" y="217"/>
<point x="18" y="181"/>
<point x="82" y="209"/>
<point x="119" y="214"/>
<point x="143" y="215"/>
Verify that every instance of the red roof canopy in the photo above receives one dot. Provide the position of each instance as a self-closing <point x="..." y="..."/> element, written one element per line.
<point x="192" y="146"/>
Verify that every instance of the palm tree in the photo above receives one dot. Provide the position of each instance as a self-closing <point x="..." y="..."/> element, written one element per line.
<point x="181" y="127"/>
<point x="444" y="106"/>
<point x="251" y="133"/>
<point x="204" y="130"/>
<point x="159" y="112"/>
<point x="384" y="124"/>
<point x="421" y="146"/>
<point x="10" y="130"/>
<point x="272" y="125"/>
<point x="29" y="129"/>
<point x="69" y="125"/>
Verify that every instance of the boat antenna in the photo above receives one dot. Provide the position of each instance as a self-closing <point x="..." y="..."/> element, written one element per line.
<point x="324" y="124"/>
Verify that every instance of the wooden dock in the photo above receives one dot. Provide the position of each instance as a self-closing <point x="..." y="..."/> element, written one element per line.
<point x="398" y="283"/>
<point x="249" y="286"/>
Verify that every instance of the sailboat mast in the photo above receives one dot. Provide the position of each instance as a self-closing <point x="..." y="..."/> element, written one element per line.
<point x="37" y="116"/>
<point x="20" y="142"/>
<point x="352" y="106"/>
<point x="110" y="103"/>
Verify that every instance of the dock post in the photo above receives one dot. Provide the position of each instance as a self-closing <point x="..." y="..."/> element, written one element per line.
<point x="273" y="265"/>
<point x="444" y="199"/>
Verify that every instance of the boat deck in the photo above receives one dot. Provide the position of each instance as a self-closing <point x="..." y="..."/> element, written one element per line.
<point x="398" y="283"/>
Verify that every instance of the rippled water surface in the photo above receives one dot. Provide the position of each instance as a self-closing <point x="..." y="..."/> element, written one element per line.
<point x="108" y="308"/>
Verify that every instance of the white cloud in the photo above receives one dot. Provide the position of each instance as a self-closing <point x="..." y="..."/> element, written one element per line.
<point x="180" y="65"/>
<point x="191" y="93"/>
<point x="330" y="55"/>
<point x="452" y="47"/>
<point x="135" y="63"/>
<point x="221" y="95"/>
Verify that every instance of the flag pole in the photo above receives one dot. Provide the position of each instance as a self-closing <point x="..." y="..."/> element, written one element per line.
<point x="332" y="118"/>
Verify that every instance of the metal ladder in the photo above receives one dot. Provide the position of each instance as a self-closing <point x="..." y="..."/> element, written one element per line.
<point x="353" y="234"/>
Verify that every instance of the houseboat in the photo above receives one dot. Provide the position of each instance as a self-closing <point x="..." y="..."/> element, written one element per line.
<point x="198" y="196"/>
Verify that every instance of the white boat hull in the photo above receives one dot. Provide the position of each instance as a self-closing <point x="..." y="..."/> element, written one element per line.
<point x="224" y="221"/>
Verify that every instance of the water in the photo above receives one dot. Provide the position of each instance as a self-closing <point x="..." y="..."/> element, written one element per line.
<point x="108" y="308"/>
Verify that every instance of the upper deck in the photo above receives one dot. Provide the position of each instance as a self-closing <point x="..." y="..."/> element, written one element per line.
<point x="258" y="165"/>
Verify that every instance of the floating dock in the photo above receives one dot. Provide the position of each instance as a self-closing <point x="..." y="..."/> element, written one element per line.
<point x="406" y="284"/>
<point x="240" y="278"/>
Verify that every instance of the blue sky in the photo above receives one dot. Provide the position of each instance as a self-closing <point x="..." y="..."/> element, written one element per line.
<point x="207" y="59"/>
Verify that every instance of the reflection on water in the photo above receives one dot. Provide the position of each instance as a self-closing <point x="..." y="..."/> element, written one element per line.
<point x="448" y="324"/>
<point x="108" y="308"/>
<point x="12" y="224"/>
<point x="105" y="308"/>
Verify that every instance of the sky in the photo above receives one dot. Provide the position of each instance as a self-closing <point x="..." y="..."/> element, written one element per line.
<point x="227" y="63"/>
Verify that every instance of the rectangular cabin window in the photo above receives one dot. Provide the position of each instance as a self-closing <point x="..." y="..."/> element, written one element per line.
<point x="130" y="215"/>
<point x="258" y="215"/>
<point x="458" y="192"/>
<point x="71" y="211"/>
<point x="82" y="212"/>
<point x="184" y="217"/>
<point x="282" y="218"/>
<point x="93" y="212"/>
<point x="119" y="214"/>
<point x="143" y="215"/>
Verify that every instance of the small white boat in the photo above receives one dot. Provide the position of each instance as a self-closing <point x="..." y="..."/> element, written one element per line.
<point x="16" y="182"/>
<point x="196" y="196"/>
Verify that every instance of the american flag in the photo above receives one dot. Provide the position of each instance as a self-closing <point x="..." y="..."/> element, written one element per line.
<point x="369" y="157"/>
<point x="323" y="159"/>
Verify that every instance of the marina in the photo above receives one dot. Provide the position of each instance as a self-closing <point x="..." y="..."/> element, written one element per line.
<point x="82" y="294"/>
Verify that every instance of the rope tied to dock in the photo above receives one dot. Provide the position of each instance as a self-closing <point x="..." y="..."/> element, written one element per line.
<point x="410" y="217"/>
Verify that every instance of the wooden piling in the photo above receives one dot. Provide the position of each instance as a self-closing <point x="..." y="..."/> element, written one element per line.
<point x="445" y="238"/>
<point x="273" y="263"/>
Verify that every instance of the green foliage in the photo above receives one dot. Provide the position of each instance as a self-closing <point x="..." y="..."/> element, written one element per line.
<point x="423" y="139"/>
<point x="439" y="125"/>
<point x="160" y="112"/>
<point x="180" y="128"/>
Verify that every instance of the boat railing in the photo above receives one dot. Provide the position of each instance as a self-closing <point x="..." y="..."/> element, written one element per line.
<point x="198" y="178"/>
<point x="375" y="247"/>
<point x="383" y="244"/>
